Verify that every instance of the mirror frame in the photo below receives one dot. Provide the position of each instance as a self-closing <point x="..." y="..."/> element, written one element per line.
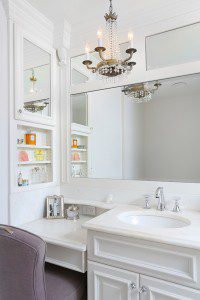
<point x="20" y="113"/>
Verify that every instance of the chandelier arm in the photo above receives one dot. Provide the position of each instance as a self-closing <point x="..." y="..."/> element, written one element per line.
<point x="130" y="68"/>
<point x="129" y="51"/>
<point x="101" y="55"/>
<point x="127" y="59"/>
<point x="157" y="85"/>
<point x="93" y="69"/>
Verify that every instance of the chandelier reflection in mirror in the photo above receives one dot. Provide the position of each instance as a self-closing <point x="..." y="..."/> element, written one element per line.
<point x="111" y="64"/>
<point x="35" y="105"/>
<point x="140" y="93"/>
<point x="33" y="80"/>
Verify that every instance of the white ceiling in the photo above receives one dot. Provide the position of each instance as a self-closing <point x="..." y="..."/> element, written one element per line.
<point x="77" y="11"/>
<point x="86" y="16"/>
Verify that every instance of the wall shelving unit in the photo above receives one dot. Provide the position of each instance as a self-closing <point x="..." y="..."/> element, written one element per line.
<point x="80" y="167"/>
<point x="34" y="163"/>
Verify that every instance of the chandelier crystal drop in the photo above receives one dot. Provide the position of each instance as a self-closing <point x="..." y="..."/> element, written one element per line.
<point x="111" y="64"/>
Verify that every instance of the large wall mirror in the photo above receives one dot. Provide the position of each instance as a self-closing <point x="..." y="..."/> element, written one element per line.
<point x="147" y="131"/>
<point x="37" y="80"/>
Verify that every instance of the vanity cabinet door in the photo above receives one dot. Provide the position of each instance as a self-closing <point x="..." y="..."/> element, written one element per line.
<point x="108" y="283"/>
<point x="155" y="289"/>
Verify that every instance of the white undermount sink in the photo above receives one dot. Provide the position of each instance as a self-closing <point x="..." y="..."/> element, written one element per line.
<point x="152" y="220"/>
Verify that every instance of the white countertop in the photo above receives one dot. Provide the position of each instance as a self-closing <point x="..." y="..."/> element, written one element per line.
<point x="61" y="232"/>
<point x="73" y="234"/>
<point x="188" y="236"/>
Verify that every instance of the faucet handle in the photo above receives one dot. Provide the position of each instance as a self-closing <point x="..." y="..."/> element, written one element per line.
<point x="176" y="207"/>
<point x="147" y="202"/>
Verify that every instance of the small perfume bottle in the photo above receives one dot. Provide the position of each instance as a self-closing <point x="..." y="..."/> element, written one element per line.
<point x="72" y="212"/>
<point x="73" y="172"/>
<point x="74" y="143"/>
<point x="30" y="138"/>
<point x="20" y="180"/>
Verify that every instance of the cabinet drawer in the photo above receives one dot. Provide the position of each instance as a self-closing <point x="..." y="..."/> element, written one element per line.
<point x="176" y="264"/>
<point x="66" y="257"/>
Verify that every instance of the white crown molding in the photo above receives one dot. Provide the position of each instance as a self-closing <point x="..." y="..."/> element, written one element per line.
<point x="26" y="16"/>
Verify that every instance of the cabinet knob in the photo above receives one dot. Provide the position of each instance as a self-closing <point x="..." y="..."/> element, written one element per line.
<point x="20" y="111"/>
<point x="132" y="286"/>
<point x="143" y="289"/>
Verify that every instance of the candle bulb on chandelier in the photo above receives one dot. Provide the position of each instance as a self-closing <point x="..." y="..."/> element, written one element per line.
<point x="100" y="37"/>
<point x="130" y="38"/>
<point x="87" y="51"/>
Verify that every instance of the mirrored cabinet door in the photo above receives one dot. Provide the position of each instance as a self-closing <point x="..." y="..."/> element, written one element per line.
<point x="34" y="81"/>
<point x="37" y="80"/>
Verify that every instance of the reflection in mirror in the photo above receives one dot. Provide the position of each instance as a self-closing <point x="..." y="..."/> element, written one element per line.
<point x="37" y="79"/>
<point x="79" y="109"/>
<point x="152" y="139"/>
<point x="80" y="74"/>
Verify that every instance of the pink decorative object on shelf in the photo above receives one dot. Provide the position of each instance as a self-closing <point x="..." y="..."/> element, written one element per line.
<point x="76" y="156"/>
<point x="23" y="156"/>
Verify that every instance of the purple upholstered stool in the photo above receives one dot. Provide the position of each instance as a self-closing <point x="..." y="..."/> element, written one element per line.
<point x="24" y="275"/>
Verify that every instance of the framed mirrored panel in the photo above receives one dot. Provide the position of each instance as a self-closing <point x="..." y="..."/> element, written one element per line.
<point x="173" y="47"/>
<point x="37" y="80"/>
<point x="79" y="109"/>
<point x="146" y="131"/>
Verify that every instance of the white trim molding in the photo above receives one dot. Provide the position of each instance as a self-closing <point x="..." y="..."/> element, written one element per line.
<point x="24" y="14"/>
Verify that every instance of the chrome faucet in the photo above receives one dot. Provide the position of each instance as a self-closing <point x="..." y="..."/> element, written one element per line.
<point x="160" y="198"/>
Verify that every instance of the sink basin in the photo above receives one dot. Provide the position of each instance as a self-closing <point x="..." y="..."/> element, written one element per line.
<point x="152" y="220"/>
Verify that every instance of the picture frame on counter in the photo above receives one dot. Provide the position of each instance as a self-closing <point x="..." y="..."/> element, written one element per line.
<point x="55" y="207"/>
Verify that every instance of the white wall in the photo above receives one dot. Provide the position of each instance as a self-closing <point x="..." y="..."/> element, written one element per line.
<point x="4" y="135"/>
<point x="30" y="205"/>
<point x="106" y="138"/>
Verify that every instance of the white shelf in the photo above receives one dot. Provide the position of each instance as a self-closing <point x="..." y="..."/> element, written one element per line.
<point x="78" y="150"/>
<point x="78" y="129"/>
<point x="33" y="147"/>
<point x="78" y="161"/>
<point x="35" y="186"/>
<point x="22" y="163"/>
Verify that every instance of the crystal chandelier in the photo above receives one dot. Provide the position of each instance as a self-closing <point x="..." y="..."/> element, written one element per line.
<point x="140" y="92"/>
<point x="111" y="64"/>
